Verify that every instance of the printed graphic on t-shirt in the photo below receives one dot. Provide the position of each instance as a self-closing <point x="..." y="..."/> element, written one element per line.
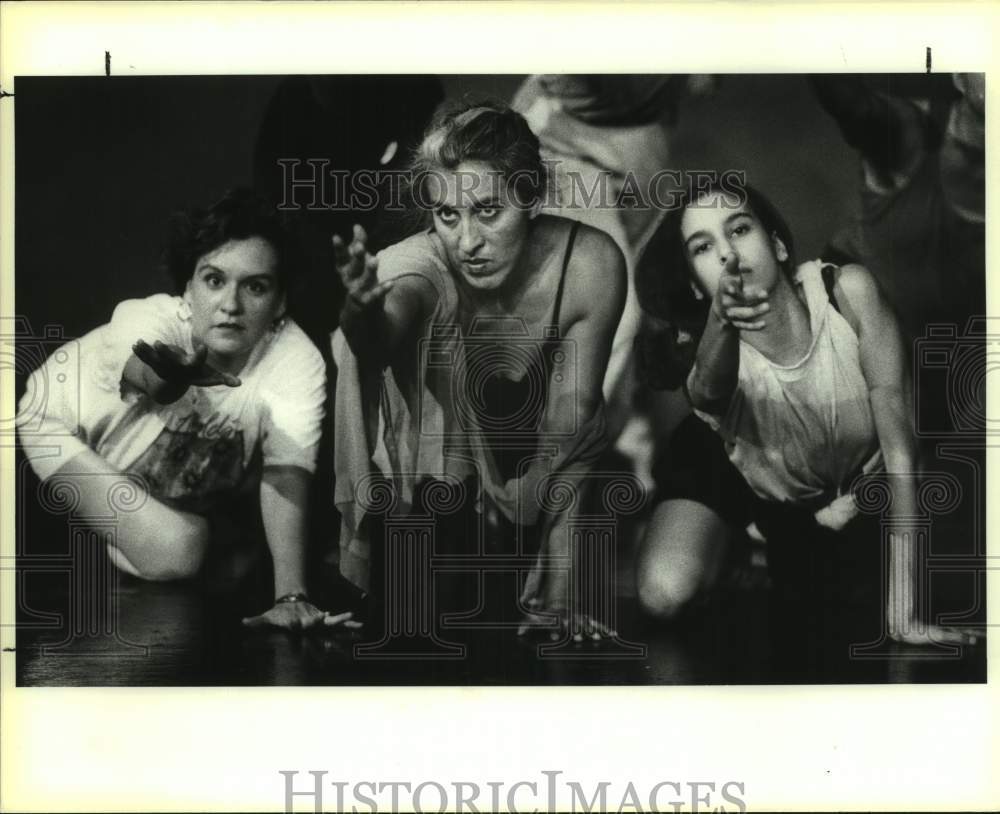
<point x="193" y="462"/>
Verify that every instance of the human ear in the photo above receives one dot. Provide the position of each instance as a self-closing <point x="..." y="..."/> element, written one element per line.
<point x="779" y="249"/>
<point x="698" y="293"/>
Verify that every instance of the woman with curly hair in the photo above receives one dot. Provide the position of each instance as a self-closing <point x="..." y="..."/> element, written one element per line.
<point x="203" y="398"/>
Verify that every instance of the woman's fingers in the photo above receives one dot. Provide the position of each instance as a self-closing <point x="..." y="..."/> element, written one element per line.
<point x="745" y="313"/>
<point x="340" y="253"/>
<point x="331" y="619"/>
<point x="145" y="353"/>
<point x="953" y="635"/>
<point x="601" y="630"/>
<point x="360" y="235"/>
<point x="579" y="627"/>
<point x="935" y="634"/>
<point x="349" y="258"/>
<point x="748" y="326"/>
<point x="215" y="378"/>
<point x="356" y="267"/>
<point x="209" y="376"/>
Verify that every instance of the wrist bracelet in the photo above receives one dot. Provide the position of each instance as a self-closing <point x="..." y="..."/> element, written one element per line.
<point x="294" y="596"/>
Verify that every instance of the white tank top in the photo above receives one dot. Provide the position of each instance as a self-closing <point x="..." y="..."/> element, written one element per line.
<point x="797" y="432"/>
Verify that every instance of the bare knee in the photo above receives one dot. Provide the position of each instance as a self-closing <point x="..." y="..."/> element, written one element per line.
<point x="680" y="557"/>
<point x="175" y="550"/>
<point x="665" y="594"/>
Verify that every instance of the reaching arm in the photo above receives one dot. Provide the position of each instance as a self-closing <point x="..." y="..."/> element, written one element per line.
<point x="379" y="320"/>
<point x="883" y="362"/>
<point x="715" y="374"/>
<point x="165" y="372"/>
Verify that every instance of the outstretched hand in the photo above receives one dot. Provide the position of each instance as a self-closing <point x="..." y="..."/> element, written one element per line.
<point x="919" y="634"/>
<point x="577" y="626"/>
<point x="301" y="616"/>
<point x="742" y="307"/>
<point x="178" y="367"/>
<point x="357" y="270"/>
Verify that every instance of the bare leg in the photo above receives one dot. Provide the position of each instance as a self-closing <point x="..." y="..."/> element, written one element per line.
<point x="154" y="542"/>
<point x="681" y="556"/>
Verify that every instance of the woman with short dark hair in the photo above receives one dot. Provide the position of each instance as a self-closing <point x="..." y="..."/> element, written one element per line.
<point x="203" y="399"/>
<point x="800" y="371"/>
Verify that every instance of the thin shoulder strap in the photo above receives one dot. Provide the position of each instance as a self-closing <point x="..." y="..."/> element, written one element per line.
<point x="562" y="276"/>
<point x="829" y="281"/>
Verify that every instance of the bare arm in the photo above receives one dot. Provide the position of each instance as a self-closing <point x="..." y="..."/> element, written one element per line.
<point x="883" y="363"/>
<point x="595" y="300"/>
<point x="379" y="320"/>
<point x="715" y="375"/>
<point x="284" y="495"/>
<point x="572" y="401"/>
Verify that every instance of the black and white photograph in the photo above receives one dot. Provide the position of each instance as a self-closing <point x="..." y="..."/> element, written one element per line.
<point x="428" y="379"/>
<point x="582" y="379"/>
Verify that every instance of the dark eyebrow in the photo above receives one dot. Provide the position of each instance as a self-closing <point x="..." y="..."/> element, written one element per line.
<point x="487" y="203"/>
<point x="742" y="213"/>
<point x="210" y="267"/>
<point x="699" y="234"/>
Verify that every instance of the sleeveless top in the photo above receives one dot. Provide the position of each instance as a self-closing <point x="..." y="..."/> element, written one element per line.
<point x="803" y="431"/>
<point x="429" y="419"/>
<point x="516" y="406"/>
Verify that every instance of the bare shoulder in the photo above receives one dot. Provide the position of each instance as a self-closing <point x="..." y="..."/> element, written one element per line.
<point x="858" y="284"/>
<point x="860" y="296"/>
<point x="594" y="248"/>
<point x="597" y="275"/>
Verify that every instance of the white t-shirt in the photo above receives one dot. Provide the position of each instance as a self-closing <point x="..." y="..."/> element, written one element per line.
<point x="209" y="444"/>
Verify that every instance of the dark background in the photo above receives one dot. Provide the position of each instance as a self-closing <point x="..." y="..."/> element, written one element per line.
<point x="101" y="162"/>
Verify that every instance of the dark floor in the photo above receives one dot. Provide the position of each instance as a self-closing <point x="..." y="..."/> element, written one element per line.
<point x="172" y="635"/>
<point x="148" y="634"/>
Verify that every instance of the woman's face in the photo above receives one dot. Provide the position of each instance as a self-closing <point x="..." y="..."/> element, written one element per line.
<point x="483" y="229"/>
<point x="715" y="226"/>
<point x="234" y="296"/>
